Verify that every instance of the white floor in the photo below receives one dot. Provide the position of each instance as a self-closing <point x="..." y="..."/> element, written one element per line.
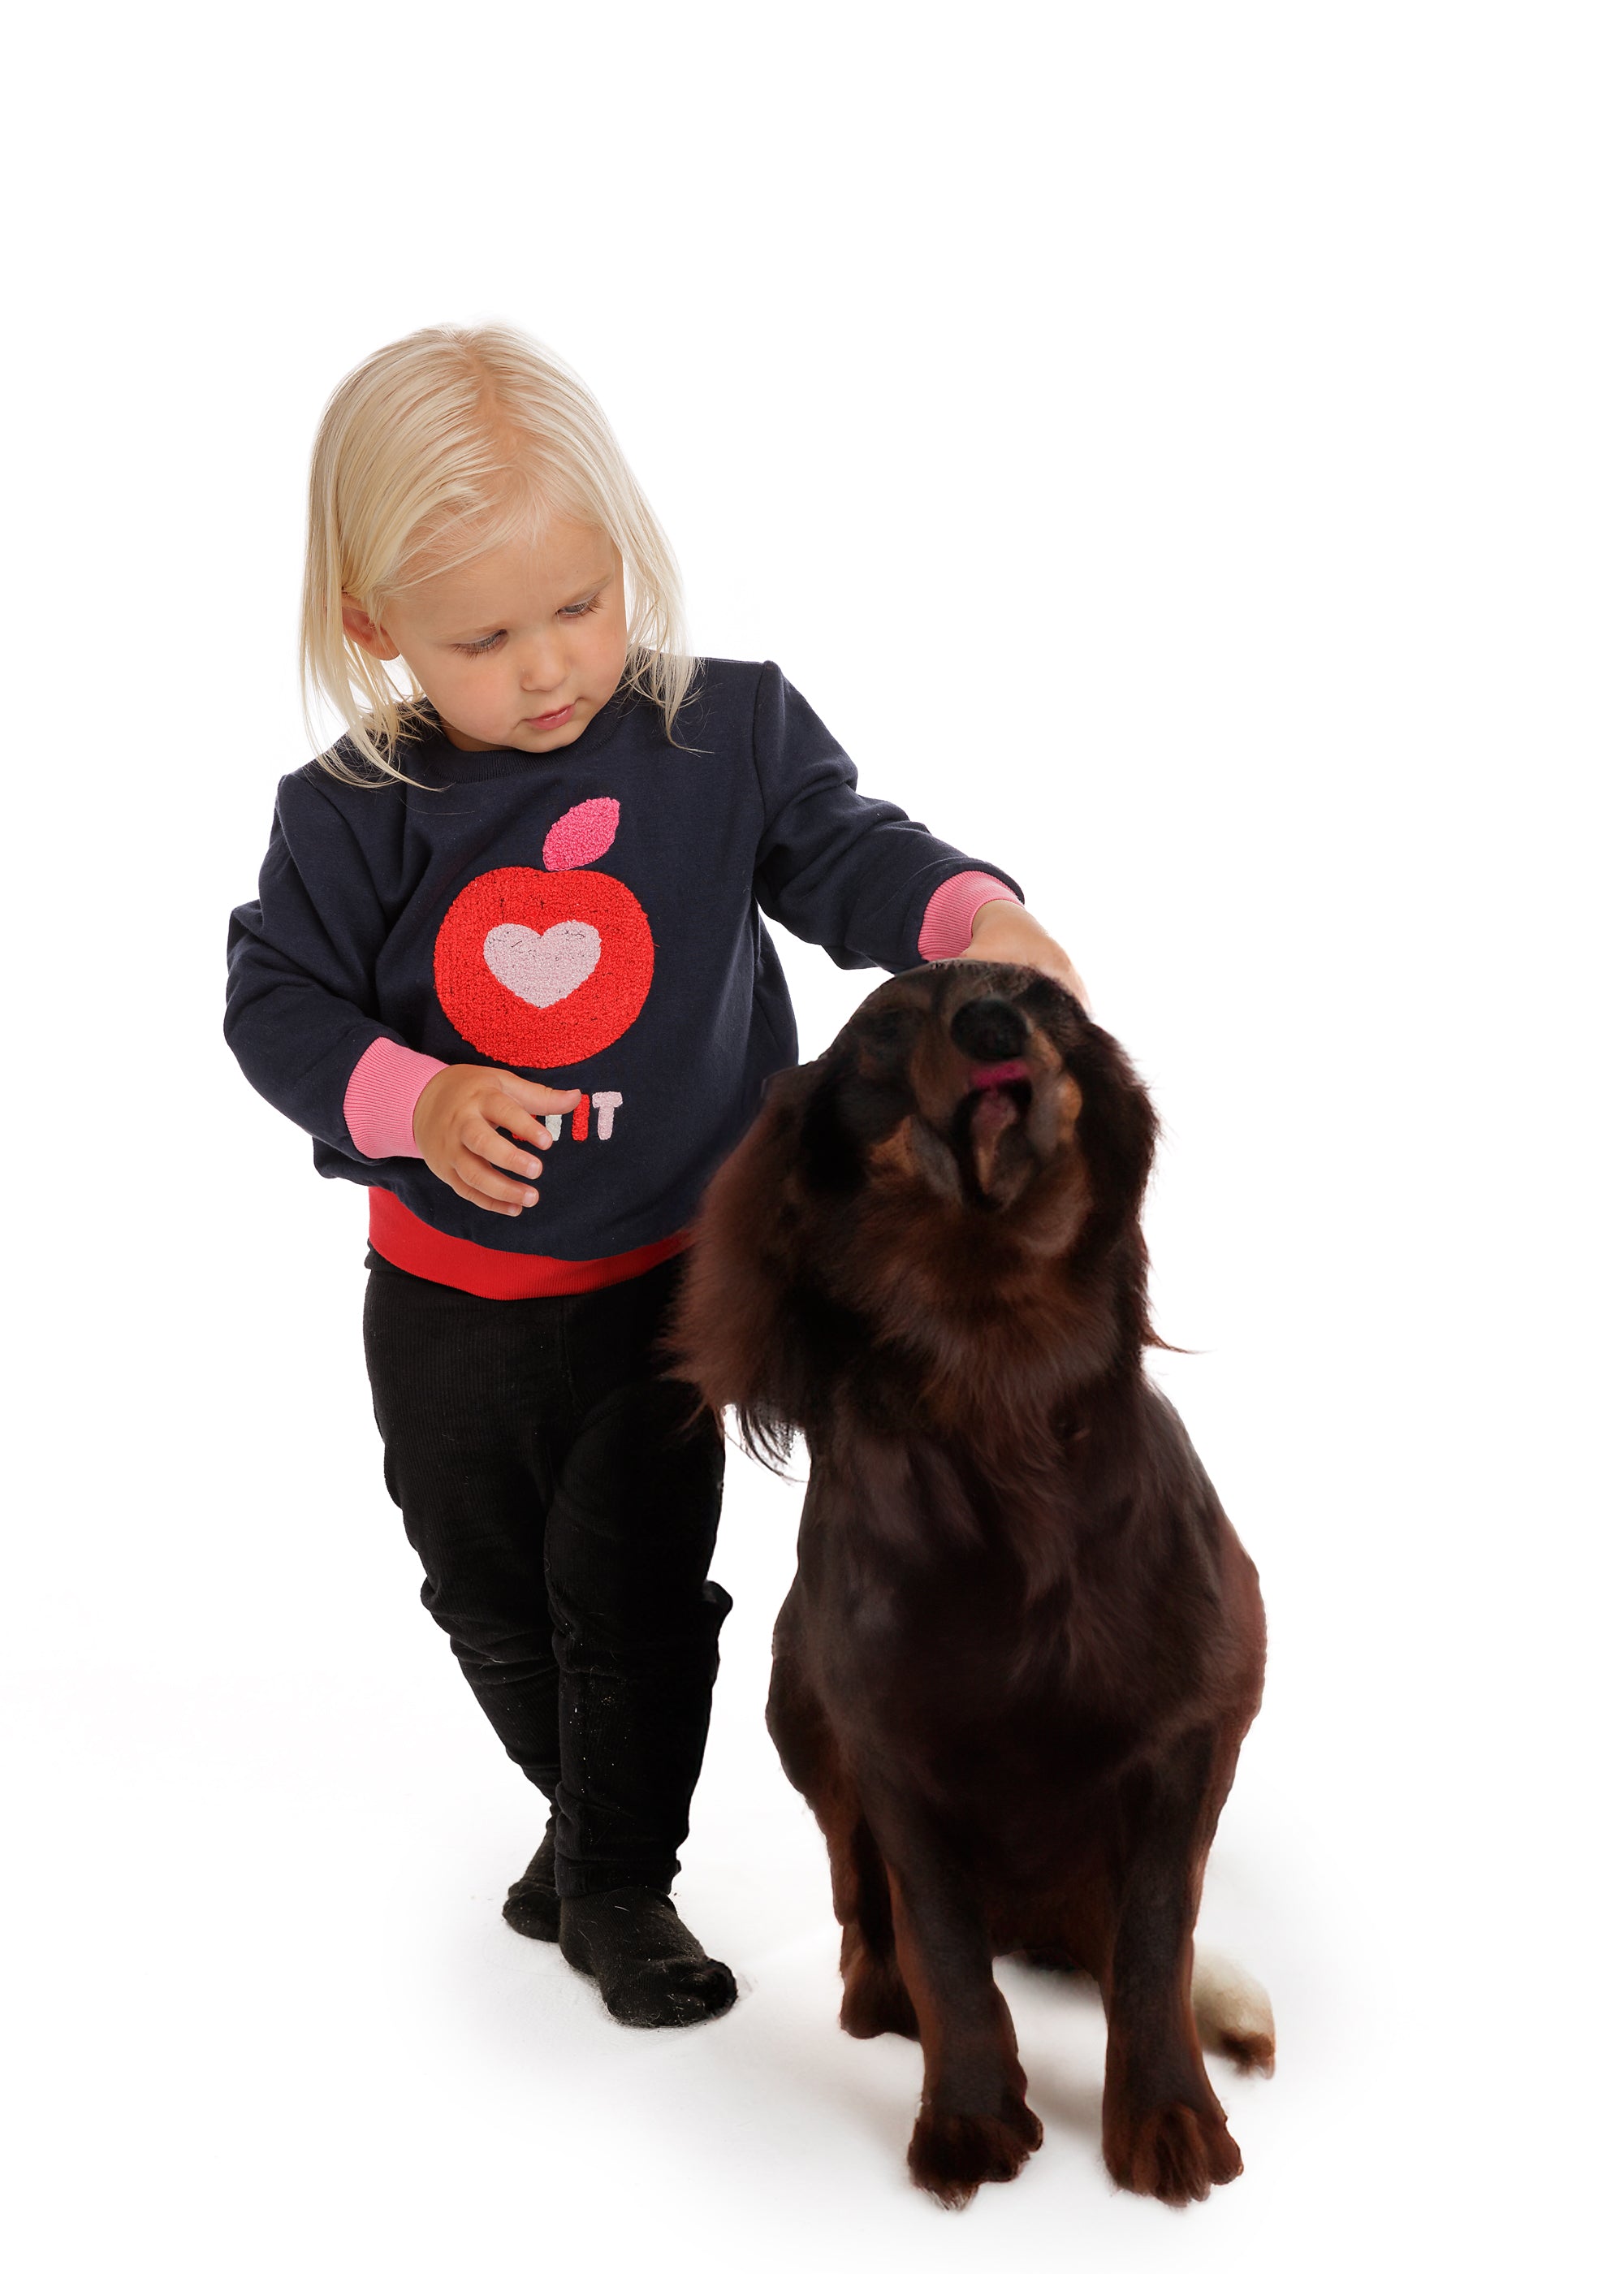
<point x="268" y="2014"/>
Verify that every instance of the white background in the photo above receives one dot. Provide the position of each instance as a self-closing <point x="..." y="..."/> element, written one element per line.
<point x="1176" y="449"/>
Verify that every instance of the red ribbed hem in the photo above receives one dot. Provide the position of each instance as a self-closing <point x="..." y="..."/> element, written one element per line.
<point x="410" y="1244"/>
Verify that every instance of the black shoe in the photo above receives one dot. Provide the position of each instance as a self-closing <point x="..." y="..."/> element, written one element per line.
<point x="532" y="1904"/>
<point x="652" y="1972"/>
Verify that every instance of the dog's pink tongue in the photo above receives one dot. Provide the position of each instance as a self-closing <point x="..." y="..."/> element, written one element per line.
<point x="988" y="1077"/>
<point x="992" y="1111"/>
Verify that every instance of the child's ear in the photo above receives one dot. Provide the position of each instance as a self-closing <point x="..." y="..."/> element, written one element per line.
<point x="360" y="628"/>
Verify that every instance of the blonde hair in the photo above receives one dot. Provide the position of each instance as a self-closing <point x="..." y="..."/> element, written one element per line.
<point x="460" y="438"/>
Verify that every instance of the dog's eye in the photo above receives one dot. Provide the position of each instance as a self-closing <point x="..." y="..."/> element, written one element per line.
<point x="885" y="1040"/>
<point x="1054" y="1006"/>
<point x="871" y="1101"/>
<point x="856" y="1106"/>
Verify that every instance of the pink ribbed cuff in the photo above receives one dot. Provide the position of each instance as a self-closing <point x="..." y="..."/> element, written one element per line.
<point x="382" y="1096"/>
<point x="950" y="911"/>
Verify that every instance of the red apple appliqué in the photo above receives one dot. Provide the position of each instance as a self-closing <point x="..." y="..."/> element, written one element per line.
<point x="545" y="967"/>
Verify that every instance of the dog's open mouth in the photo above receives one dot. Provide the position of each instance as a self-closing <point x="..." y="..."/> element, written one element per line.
<point x="997" y="1098"/>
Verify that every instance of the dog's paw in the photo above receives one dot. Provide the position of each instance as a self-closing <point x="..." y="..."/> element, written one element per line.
<point x="1177" y="2153"/>
<point x="876" y="1999"/>
<point x="1233" y="2016"/>
<point x="950" y="2156"/>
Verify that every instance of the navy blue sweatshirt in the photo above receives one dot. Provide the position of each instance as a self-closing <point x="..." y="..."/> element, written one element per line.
<point x="590" y="917"/>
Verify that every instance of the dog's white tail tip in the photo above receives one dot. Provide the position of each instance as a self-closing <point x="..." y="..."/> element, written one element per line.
<point x="1233" y="2016"/>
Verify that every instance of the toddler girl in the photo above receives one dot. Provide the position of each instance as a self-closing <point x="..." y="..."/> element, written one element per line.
<point x="514" y="917"/>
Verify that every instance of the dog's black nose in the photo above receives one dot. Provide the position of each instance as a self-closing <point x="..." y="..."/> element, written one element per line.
<point x="988" y="1029"/>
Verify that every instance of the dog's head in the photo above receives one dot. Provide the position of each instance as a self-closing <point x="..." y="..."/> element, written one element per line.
<point x="954" y="1187"/>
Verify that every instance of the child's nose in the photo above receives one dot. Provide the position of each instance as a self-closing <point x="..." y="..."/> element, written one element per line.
<point x="541" y="664"/>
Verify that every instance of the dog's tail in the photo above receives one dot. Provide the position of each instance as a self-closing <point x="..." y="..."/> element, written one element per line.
<point x="1233" y="2016"/>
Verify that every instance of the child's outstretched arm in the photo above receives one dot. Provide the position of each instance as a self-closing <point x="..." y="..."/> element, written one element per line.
<point x="860" y="877"/>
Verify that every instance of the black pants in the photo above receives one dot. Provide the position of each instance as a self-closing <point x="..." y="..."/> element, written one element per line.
<point x="564" y="1507"/>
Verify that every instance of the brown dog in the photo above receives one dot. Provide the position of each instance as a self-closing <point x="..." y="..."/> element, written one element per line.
<point x="1023" y="1644"/>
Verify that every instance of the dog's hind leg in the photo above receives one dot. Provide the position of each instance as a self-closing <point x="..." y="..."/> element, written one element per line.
<point x="876" y="1999"/>
<point x="1233" y="2016"/>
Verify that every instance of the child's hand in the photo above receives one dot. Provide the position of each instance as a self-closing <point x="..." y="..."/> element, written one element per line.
<point x="457" y="1124"/>
<point x="1003" y="932"/>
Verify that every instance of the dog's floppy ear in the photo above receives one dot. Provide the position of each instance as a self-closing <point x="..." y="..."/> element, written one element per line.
<point x="1117" y="1128"/>
<point x="745" y="1329"/>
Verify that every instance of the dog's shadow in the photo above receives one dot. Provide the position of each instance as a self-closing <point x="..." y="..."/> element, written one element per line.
<point x="874" y="2084"/>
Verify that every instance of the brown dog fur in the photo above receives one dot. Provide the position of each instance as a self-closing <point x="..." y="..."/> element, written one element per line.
<point x="1023" y="1644"/>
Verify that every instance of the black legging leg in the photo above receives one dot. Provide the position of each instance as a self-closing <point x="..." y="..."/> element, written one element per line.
<point x="565" y="1509"/>
<point x="455" y="1393"/>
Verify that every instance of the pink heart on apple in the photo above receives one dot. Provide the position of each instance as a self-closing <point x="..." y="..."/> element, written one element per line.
<point x="543" y="966"/>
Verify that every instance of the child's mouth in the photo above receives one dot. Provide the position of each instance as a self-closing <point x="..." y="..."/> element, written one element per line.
<point x="548" y="720"/>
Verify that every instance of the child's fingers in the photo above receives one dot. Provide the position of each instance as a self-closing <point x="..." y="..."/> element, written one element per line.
<point x="491" y="1145"/>
<point x="499" y="1195"/>
<point x="537" y="1095"/>
<point x="522" y="1127"/>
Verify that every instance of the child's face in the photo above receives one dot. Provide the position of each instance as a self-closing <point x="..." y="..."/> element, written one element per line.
<point x="518" y="648"/>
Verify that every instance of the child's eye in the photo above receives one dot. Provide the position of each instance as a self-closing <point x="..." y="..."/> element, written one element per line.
<point x="580" y="607"/>
<point x="479" y="647"/>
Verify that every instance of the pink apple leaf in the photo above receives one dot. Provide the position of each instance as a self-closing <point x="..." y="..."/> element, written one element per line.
<point x="582" y="835"/>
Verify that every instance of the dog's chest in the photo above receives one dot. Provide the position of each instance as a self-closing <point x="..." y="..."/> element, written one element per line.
<point x="959" y="1615"/>
<point x="956" y="1666"/>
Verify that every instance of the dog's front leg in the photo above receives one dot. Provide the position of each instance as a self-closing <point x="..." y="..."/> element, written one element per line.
<point x="1164" y="2131"/>
<point x="974" y="2121"/>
